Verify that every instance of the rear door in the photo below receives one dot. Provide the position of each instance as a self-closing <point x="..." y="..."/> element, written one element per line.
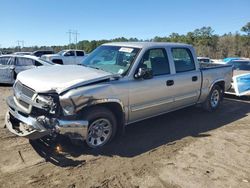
<point x="6" y="69"/>
<point x="79" y="56"/>
<point x="187" y="77"/>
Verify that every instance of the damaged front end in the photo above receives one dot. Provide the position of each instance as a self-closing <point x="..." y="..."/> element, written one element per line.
<point x="33" y="115"/>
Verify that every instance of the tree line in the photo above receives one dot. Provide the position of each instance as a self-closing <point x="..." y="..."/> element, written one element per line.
<point x="205" y="41"/>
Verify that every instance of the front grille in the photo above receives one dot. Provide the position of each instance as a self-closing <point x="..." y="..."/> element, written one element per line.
<point x="24" y="90"/>
<point x="23" y="94"/>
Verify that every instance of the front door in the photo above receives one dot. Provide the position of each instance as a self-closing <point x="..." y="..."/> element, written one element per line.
<point x="69" y="58"/>
<point x="149" y="97"/>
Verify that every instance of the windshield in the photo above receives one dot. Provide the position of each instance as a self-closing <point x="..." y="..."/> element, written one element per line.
<point x="45" y="62"/>
<point x="61" y="52"/>
<point x="113" y="59"/>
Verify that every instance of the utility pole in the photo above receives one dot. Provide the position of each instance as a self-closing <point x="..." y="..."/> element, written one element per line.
<point x="69" y="32"/>
<point x="76" y="35"/>
<point x="73" y="36"/>
<point x="19" y="42"/>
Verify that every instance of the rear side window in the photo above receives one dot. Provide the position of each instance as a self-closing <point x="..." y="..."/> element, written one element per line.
<point x="156" y="59"/>
<point x="21" y="61"/>
<point x="4" y="60"/>
<point x="37" y="63"/>
<point x="79" y="53"/>
<point x="183" y="60"/>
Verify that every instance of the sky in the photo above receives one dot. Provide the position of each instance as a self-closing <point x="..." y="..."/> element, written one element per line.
<point x="46" y="22"/>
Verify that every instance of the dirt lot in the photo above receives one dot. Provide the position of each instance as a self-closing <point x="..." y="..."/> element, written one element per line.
<point x="187" y="148"/>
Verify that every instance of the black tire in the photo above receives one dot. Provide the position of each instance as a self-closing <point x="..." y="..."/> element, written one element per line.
<point x="95" y="115"/>
<point x="214" y="99"/>
<point x="57" y="61"/>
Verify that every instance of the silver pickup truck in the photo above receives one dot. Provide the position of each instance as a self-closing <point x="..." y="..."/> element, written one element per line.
<point x="116" y="85"/>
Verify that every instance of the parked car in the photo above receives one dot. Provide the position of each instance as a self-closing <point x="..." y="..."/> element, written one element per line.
<point x="22" y="53"/>
<point x="240" y="65"/>
<point x="66" y="57"/>
<point x="229" y="59"/>
<point x="241" y="71"/>
<point x="204" y="59"/>
<point x="117" y="84"/>
<point x="39" y="53"/>
<point x="11" y="65"/>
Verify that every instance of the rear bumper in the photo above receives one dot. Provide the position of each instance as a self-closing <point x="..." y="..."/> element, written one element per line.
<point x="29" y="127"/>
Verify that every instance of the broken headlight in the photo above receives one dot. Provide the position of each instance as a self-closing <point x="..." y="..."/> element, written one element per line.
<point x="46" y="102"/>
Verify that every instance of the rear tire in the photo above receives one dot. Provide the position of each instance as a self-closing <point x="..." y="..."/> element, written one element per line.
<point x="102" y="126"/>
<point x="214" y="99"/>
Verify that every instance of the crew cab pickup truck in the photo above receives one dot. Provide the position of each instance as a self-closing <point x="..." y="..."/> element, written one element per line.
<point x="116" y="85"/>
<point x="66" y="57"/>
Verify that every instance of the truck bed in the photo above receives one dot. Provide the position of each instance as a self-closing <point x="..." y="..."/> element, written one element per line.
<point x="204" y="66"/>
<point x="214" y="73"/>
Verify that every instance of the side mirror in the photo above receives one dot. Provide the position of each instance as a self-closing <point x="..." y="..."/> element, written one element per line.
<point x="144" y="73"/>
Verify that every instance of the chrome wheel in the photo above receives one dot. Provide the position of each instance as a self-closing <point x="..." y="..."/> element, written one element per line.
<point x="99" y="132"/>
<point x="215" y="98"/>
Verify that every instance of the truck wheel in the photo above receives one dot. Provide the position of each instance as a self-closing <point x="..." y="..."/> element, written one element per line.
<point x="214" y="99"/>
<point x="102" y="126"/>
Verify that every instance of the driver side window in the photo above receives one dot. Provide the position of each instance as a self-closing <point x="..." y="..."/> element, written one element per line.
<point x="157" y="60"/>
<point x="69" y="53"/>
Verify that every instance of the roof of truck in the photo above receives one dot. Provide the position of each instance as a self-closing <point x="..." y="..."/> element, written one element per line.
<point x="147" y="44"/>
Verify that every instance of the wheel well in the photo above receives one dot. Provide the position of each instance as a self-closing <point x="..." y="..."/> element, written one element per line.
<point x="115" y="108"/>
<point x="221" y="84"/>
<point x="57" y="61"/>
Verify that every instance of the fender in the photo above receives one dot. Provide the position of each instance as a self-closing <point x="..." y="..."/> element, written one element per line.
<point x="215" y="82"/>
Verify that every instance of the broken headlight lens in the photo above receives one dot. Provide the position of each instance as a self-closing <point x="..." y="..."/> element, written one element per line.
<point x="45" y="101"/>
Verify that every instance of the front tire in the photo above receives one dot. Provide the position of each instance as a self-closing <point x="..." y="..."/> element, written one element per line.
<point x="102" y="126"/>
<point x="214" y="99"/>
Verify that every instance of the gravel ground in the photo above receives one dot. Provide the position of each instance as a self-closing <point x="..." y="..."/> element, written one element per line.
<point x="186" y="148"/>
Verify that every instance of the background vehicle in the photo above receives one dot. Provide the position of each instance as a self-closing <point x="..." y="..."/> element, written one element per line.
<point x="22" y="53"/>
<point x="204" y="59"/>
<point x="240" y="67"/>
<point x="117" y="84"/>
<point x="229" y="59"/>
<point x="66" y="57"/>
<point x="11" y="65"/>
<point x="39" y="53"/>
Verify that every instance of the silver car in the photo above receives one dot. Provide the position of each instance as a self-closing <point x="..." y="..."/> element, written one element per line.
<point x="11" y="65"/>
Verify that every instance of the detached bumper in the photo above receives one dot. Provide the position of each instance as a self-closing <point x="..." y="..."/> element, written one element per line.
<point x="29" y="127"/>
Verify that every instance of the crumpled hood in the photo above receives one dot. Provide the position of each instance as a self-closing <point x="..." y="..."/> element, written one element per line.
<point x="60" y="78"/>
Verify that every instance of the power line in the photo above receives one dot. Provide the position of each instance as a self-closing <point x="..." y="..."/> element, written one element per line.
<point x="18" y="44"/>
<point x="76" y="35"/>
<point x="69" y="32"/>
<point x="73" y="34"/>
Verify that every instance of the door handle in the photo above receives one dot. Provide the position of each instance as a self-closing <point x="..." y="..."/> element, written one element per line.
<point x="194" y="78"/>
<point x="170" y="82"/>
